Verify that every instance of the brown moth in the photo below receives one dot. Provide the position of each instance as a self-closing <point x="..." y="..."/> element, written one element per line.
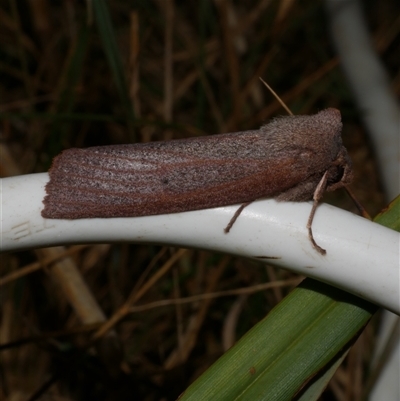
<point x="293" y="158"/>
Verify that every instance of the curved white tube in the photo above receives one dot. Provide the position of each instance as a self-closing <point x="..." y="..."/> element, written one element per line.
<point x="380" y="112"/>
<point x="362" y="257"/>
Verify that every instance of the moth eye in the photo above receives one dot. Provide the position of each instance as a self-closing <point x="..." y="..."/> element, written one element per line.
<point x="165" y="181"/>
<point x="340" y="172"/>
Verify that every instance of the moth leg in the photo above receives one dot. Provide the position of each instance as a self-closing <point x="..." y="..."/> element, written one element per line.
<point x="235" y="216"/>
<point x="318" y="193"/>
<point x="359" y="206"/>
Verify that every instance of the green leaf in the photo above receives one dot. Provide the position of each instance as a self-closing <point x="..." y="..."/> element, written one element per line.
<point x="287" y="349"/>
<point x="390" y="216"/>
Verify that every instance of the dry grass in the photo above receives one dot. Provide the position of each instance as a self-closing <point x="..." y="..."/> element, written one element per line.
<point x="176" y="69"/>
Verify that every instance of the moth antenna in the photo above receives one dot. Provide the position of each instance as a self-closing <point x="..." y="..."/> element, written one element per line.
<point x="283" y="104"/>
<point x="359" y="206"/>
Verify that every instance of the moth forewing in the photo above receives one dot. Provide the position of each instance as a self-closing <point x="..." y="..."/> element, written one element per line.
<point x="293" y="158"/>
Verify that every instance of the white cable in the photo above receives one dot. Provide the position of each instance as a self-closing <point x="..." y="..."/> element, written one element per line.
<point x="380" y="112"/>
<point x="362" y="256"/>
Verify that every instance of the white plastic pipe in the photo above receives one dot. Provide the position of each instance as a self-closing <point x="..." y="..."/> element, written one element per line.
<point x="380" y="112"/>
<point x="362" y="256"/>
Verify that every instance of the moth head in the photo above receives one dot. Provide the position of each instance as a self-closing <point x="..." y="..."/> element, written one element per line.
<point x="340" y="173"/>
